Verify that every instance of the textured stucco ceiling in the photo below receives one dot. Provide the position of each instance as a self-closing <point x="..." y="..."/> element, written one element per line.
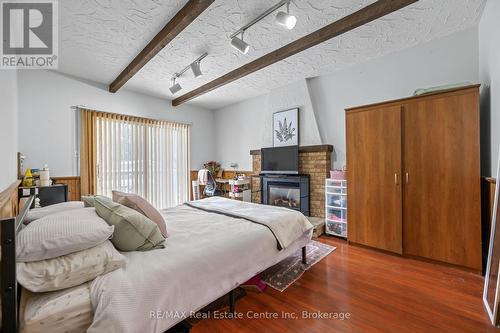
<point x="100" y="37"/>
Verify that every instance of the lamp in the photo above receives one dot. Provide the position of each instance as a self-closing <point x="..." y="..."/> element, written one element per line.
<point x="196" y="68"/>
<point x="286" y="19"/>
<point x="175" y="87"/>
<point x="239" y="44"/>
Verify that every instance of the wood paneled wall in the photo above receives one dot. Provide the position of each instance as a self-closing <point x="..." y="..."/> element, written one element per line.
<point x="73" y="183"/>
<point x="9" y="201"/>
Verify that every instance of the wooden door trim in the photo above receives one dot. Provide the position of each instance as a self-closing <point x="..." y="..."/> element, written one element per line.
<point x="412" y="99"/>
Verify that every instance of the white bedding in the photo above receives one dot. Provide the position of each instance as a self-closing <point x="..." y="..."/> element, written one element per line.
<point x="286" y="224"/>
<point x="62" y="311"/>
<point x="206" y="256"/>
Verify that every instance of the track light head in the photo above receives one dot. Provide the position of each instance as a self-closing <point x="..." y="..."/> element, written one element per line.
<point x="286" y="20"/>
<point x="239" y="44"/>
<point x="175" y="87"/>
<point x="196" y="68"/>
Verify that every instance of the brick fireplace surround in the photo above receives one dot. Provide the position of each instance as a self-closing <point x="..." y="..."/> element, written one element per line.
<point x="314" y="161"/>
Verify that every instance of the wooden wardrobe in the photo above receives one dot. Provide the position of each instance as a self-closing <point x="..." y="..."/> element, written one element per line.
<point x="413" y="176"/>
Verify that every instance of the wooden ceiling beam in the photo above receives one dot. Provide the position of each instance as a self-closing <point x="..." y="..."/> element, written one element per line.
<point x="177" y="24"/>
<point x="343" y="25"/>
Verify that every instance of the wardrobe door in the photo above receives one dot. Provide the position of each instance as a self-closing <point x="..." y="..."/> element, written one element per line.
<point x="442" y="179"/>
<point x="374" y="177"/>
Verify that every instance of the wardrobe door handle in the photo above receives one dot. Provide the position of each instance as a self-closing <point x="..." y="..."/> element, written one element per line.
<point x="407" y="178"/>
<point x="396" y="179"/>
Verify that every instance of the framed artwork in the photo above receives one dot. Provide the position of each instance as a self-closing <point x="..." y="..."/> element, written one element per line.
<point x="491" y="279"/>
<point x="286" y="128"/>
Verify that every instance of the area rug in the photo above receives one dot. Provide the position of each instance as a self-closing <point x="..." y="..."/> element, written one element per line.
<point x="286" y="272"/>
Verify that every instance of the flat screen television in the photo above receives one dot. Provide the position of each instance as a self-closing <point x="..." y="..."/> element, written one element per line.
<point x="280" y="160"/>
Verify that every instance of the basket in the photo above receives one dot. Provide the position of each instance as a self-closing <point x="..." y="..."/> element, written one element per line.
<point x="338" y="174"/>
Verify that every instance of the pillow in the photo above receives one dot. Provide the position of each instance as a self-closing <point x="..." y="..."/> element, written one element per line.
<point x="142" y="206"/>
<point x="88" y="200"/>
<point x="35" y="214"/>
<point x="70" y="270"/>
<point x="60" y="234"/>
<point x="133" y="231"/>
<point x="49" y="312"/>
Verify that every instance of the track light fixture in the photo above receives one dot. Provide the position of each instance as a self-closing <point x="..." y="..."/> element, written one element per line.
<point x="195" y="66"/>
<point x="283" y="19"/>
<point x="239" y="44"/>
<point x="175" y="87"/>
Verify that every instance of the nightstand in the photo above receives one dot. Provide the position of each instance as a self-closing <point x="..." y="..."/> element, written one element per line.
<point x="48" y="195"/>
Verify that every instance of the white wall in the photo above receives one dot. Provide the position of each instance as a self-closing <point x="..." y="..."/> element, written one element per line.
<point x="451" y="59"/>
<point x="489" y="71"/>
<point x="248" y="125"/>
<point x="8" y="128"/>
<point x="47" y="122"/>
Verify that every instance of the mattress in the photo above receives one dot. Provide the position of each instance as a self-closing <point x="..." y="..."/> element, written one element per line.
<point x="67" y="310"/>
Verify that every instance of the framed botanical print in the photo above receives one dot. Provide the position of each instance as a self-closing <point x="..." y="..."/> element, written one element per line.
<point x="286" y="128"/>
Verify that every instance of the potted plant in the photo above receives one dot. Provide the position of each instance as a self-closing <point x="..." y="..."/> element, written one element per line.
<point x="213" y="167"/>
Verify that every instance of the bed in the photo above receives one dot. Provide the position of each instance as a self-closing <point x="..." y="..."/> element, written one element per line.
<point x="207" y="255"/>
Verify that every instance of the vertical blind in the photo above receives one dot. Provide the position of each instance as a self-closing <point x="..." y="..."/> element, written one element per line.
<point x="143" y="156"/>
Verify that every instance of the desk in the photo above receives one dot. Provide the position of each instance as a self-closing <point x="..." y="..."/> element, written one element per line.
<point x="222" y="184"/>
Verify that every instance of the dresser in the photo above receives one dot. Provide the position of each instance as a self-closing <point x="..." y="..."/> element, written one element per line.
<point x="414" y="176"/>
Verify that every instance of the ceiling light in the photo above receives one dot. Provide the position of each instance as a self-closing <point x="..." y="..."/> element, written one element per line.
<point x="175" y="88"/>
<point x="286" y="19"/>
<point x="196" y="68"/>
<point x="282" y="18"/>
<point x="239" y="44"/>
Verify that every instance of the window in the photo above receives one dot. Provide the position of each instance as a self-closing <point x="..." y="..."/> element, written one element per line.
<point x="142" y="156"/>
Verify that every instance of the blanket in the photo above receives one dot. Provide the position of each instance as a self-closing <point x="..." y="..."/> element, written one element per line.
<point x="285" y="224"/>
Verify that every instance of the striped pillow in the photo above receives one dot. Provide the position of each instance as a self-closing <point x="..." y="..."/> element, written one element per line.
<point x="60" y="234"/>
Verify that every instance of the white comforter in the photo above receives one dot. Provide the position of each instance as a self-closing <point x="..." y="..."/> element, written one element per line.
<point x="286" y="225"/>
<point x="206" y="256"/>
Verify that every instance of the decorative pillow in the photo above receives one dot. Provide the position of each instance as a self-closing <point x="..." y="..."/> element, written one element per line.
<point x="60" y="234"/>
<point x="133" y="231"/>
<point x="35" y="214"/>
<point x="88" y="200"/>
<point x="69" y="270"/>
<point x="139" y="204"/>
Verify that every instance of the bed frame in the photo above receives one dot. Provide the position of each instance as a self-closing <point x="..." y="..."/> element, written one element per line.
<point x="9" y="289"/>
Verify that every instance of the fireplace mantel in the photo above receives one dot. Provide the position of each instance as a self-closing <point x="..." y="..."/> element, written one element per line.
<point x="288" y="183"/>
<point x="304" y="149"/>
<point x="314" y="161"/>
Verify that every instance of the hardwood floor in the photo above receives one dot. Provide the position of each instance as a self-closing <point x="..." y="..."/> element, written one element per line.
<point x="381" y="292"/>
